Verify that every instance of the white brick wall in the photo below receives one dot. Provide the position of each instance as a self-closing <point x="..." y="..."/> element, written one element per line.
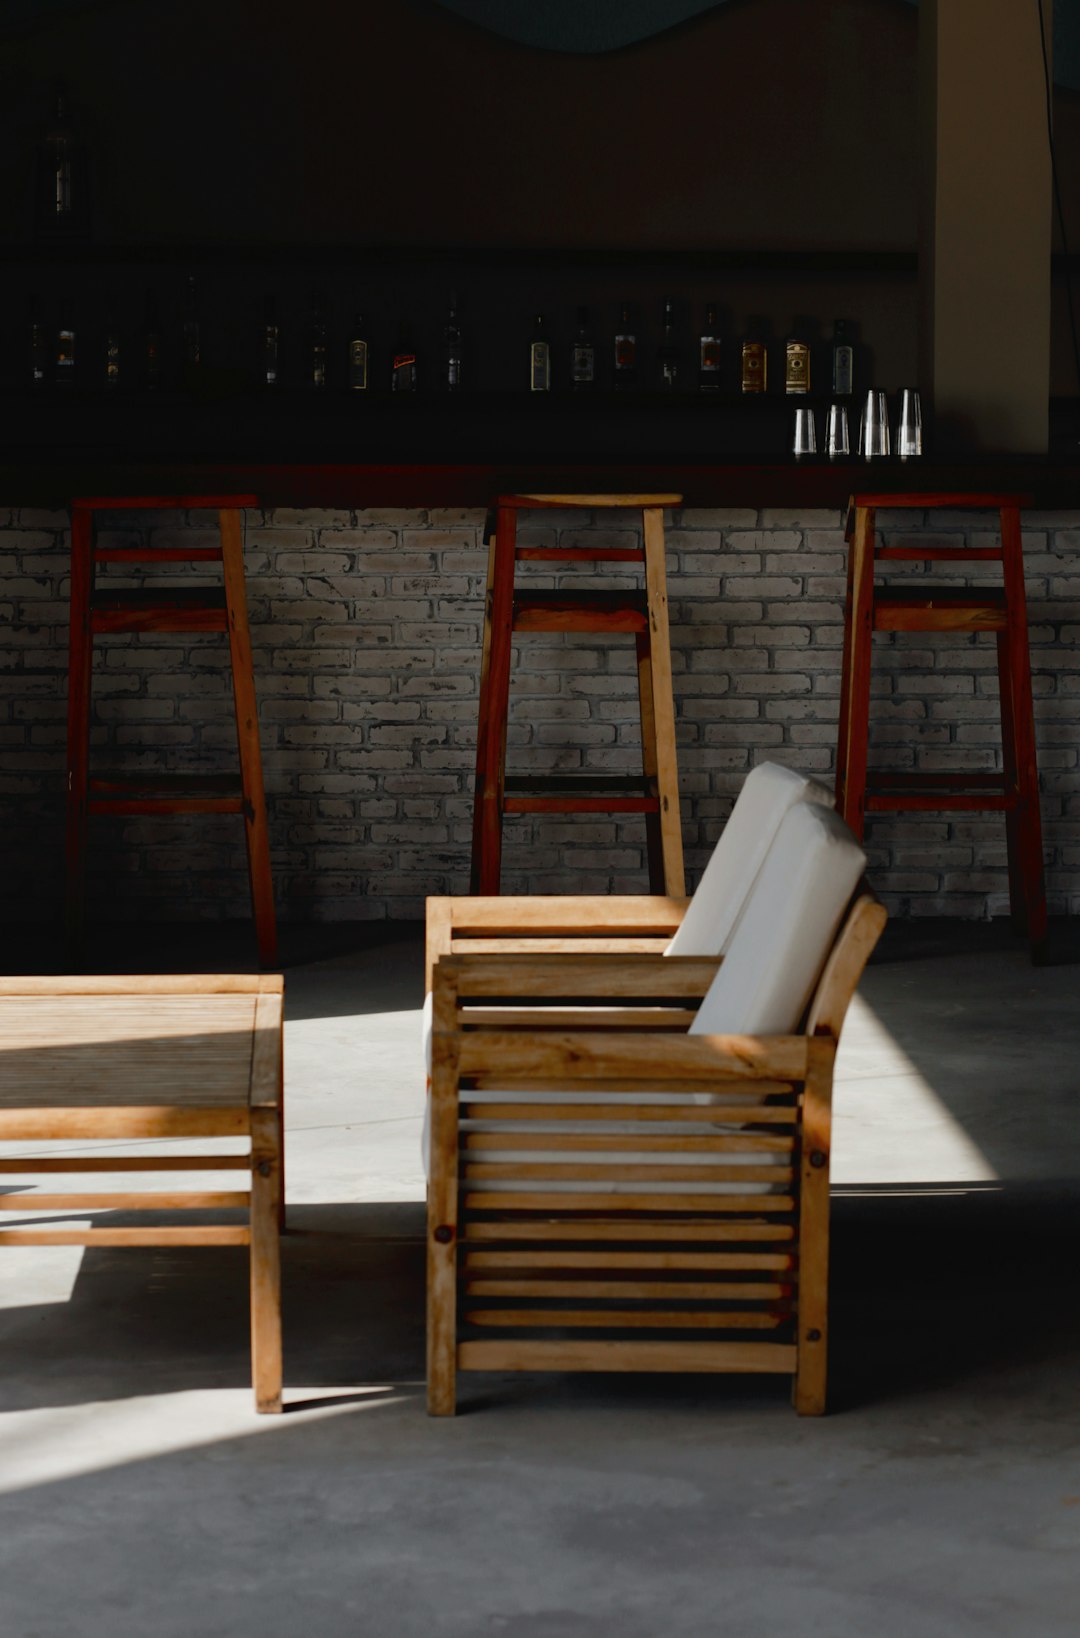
<point x="366" y="629"/>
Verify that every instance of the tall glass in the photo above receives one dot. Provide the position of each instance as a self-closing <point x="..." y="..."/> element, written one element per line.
<point x="874" y="427"/>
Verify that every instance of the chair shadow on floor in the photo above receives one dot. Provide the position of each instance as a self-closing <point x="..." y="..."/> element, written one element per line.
<point x="932" y="1289"/>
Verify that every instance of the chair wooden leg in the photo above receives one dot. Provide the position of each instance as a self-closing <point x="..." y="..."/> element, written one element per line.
<point x="811" y="1370"/>
<point x="654" y="844"/>
<point x="663" y="705"/>
<point x="442" y="1211"/>
<point x="256" y="828"/>
<point x="855" y="685"/>
<point x="266" y="1362"/>
<point x="1027" y="884"/>
<point x="80" y="670"/>
<point x="494" y="708"/>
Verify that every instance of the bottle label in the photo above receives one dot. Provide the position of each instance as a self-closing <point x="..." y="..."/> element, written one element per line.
<point x="358" y="366"/>
<point x="625" y="352"/>
<point x="453" y="371"/>
<point x="404" y="374"/>
<point x="754" y="367"/>
<point x="710" y="355"/>
<point x="582" y="364"/>
<point x="539" y="367"/>
<point x="797" y="367"/>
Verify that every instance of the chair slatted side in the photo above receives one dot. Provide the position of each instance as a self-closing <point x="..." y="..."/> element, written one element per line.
<point x="604" y="1215"/>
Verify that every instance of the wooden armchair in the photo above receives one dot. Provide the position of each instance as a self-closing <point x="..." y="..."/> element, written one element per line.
<point x="622" y="1175"/>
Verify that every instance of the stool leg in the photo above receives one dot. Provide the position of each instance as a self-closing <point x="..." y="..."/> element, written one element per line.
<point x="663" y="703"/>
<point x="80" y="669"/>
<point x="266" y="1365"/>
<point x="854" y="728"/>
<point x="654" y="847"/>
<point x="494" y="707"/>
<point x="256" y="828"/>
<point x="1027" y="887"/>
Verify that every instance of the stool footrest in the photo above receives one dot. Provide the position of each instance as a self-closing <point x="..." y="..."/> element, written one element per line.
<point x="594" y="611"/>
<point x="579" y="793"/>
<point x="164" y="793"/>
<point x="915" y="790"/>
<point x="940" y="608"/>
<point x="180" y="608"/>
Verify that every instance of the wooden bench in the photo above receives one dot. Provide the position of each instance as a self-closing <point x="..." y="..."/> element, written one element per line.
<point x="138" y="1059"/>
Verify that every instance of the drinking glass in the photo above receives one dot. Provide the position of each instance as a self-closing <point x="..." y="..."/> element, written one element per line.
<point x="874" y="426"/>
<point x="805" y="441"/>
<point x="909" y="426"/>
<point x="836" y="432"/>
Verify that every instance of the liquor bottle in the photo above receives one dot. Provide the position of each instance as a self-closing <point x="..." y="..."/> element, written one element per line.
<point x="358" y="356"/>
<point x="62" y="202"/>
<point x="270" y="346"/>
<point x="796" y="366"/>
<point x="709" y="353"/>
<point x="452" y="363"/>
<point x="625" y="362"/>
<point x="667" y="357"/>
<point x="582" y="354"/>
<point x="843" y="361"/>
<point x="111" y="378"/>
<point x="38" y="339"/>
<point x="539" y="357"/>
<point x="755" y="359"/>
<point x="191" y="329"/>
<point x="64" y="355"/>
<point x="151" y="344"/>
<point x="317" y="346"/>
<point x="403" y="375"/>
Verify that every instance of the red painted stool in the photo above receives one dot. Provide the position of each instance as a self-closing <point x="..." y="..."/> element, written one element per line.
<point x="96" y="611"/>
<point x="915" y="605"/>
<point x="640" y="613"/>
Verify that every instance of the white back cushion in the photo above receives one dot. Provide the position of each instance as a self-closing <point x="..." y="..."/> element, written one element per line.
<point x="768" y="791"/>
<point x="786" y="931"/>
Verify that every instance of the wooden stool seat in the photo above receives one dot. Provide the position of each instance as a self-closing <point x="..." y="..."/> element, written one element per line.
<point x="98" y="610"/>
<point x="640" y="613"/>
<point x="142" y="1059"/>
<point x="920" y="607"/>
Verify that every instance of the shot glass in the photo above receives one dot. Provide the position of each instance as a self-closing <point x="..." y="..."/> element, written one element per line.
<point x="836" y="432"/>
<point x="874" y="427"/>
<point x="909" y="426"/>
<point x="805" y="439"/>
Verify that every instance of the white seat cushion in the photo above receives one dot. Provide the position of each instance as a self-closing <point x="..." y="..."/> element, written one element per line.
<point x="766" y="796"/>
<point x="781" y="941"/>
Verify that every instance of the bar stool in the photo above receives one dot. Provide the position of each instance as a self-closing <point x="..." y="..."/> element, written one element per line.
<point x="97" y="611"/>
<point x="640" y="613"/>
<point x="918" y="606"/>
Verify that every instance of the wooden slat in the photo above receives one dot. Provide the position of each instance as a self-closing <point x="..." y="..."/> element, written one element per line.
<point x="599" y="1171"/>
<point x="629" y="1290"/>
<point x="584" y="976"/>
<point x="673" y="1018"/>
<point x="131" y="1121"/>
<point x="578" y="554"/>
<point x="602" y="1355"/>
<point x="149" y="807"/>
<point x="195" y="1235"/>
<point x="158" y="554"/>
<point x="158" y="617"/>
<point x="937" y="614"/>
<point x="541" y="1200"/>
<point x="145" y="984"/>
<point x="936" y="800"/>
<point x="730" y="1114"/>
<point x="940" y="500"/>
<point x="538" y="944"/>
<point x="606" y="914"/>
<point x="148" y="1200"/>
<point x="541" y="1259"/>
<point x="601" y="1054"/>
<point x="578" y="611"/>
<point x="634" y="1142"/>
<point x="127" y="1163"/>
<point x="940" y="554"/>
<point x="265" y="1262"/>
<point x="626" y="1230"/>
<point x="624" y="1319"/>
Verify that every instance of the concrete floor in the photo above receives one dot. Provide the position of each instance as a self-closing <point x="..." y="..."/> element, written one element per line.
<point x="941" y="1497"/>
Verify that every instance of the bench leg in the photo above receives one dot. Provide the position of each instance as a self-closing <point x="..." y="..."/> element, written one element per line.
<point x="266" y="1370"/>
